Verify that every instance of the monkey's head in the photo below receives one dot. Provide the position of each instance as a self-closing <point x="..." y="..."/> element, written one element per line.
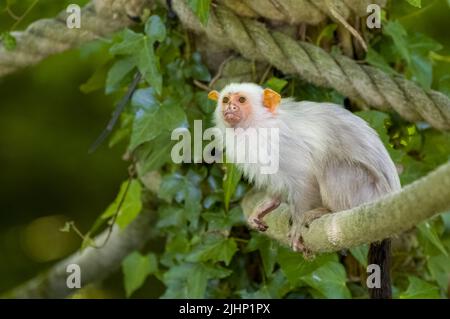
<point x="243" y="104"/>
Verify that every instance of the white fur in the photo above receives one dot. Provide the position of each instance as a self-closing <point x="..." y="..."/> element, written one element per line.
<point x="329" y="157"/>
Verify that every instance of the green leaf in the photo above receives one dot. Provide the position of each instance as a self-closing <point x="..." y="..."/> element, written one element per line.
<point x="400" y="37"/>
<point x="154" y="154"/>
<point x="170" y="216"/>
<point x="224" y="221"/>
<point x="360" y="253"/>
<point x="96" y="81"/>
<point x="131" y="206"/>
<point x="436" y="149"/>
<point x="144" y="99"/>
<point x="428" y="232"/>
<point x="421" y="44"/>
<point x="117" y="73"/>
<point x="420" y="289"/>
<point x="230" y="182"/>
<point x="329" y="280"/>
<point x="326" y="33"/>
<point x="184" y="189"/>
<point x="148" y="64"/>
<point x="421" y="70"/>
<point x="170" y="186"/>
<point x="155" y="28"/>
<point x="439" y="267"/>
<point x="8" y="40"/>
<point x="132" y="42"/>
<point x="276" y="287"/>
<point x="136" y="269"/>
<point x="124" y="131"/>
<point x="141" y="48"/>
<point x="190" y="280"/>
<point x="276" y="84"/>
<point x="415" y="3"/>
<point x="196" y="69"/>
<point x="201" y="9"/>
<point x="216" y="249"/>
<point x="146" y="127"/>
<point x="178" y="243"/>
<point x="377" y="120"/>
<point x="200" y="276"/>
<point x="294" y="266"/>
<point x="377" y="60"/>
<point x="268" y="250"/>
<point x="154" y="120"/>
<point x="207" y="106"/>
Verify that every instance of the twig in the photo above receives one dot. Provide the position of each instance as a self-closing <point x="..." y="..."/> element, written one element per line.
<point x="202" y="85"/>
<point x="116" y="214"/>
<point x="24" y="15"/>
<point x="266" y="73"/>
<point x="220" y="70"/>
<point x="119" y="109"/>
<point x="11" y="13"/>
<point x="341" y="19"/>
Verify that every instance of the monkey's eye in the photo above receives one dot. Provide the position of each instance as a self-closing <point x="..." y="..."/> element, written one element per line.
<point x="242" y="99"/>
<point x="226" y="99"/>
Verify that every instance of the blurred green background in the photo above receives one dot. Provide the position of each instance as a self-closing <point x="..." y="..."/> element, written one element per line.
<point x="47" y="124"/>
<point x="47" y="175"/>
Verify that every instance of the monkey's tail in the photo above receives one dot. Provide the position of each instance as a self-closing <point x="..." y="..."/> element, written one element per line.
<point x="380" y="254"/>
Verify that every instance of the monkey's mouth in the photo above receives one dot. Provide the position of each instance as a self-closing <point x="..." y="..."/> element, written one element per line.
<point x="231" y="117"/>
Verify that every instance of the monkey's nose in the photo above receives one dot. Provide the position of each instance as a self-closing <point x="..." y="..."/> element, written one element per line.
<point x="233" y="107"/>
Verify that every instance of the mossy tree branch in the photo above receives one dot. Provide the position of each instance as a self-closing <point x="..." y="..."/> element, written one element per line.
<point x="387" y="217"/>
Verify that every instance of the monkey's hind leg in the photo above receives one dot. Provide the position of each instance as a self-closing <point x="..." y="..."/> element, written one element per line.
<point x="255" y="220"/>
<point x="305" y="220"/>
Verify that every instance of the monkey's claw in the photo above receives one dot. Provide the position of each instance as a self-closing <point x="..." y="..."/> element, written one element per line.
<point x="297" y="244"/>
<point x="258" y="224"/>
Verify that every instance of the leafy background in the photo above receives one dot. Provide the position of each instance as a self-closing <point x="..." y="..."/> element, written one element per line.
<point x="50" y="115"/>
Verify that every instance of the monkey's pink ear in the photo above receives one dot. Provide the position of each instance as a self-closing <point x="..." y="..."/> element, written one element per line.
<point x="271" y="99"/>
<point x="213" y="95"/>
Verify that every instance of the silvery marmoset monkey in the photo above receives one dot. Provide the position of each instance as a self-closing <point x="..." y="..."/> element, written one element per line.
<point x="329" y="160"/>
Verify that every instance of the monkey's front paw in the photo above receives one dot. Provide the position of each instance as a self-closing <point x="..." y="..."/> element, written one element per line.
<point x="257" y="223"/>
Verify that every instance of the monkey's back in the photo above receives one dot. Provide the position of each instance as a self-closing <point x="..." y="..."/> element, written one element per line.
<point x="343" y="155"/>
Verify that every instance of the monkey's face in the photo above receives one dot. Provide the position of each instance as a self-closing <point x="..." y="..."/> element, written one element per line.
<point x="244" y="104"/>
<point x="235" y="108"/>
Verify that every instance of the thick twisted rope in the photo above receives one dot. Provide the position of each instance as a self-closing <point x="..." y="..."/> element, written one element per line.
<point x="50" y="36"/>
<point x="357" y="81"/>
<point x="102" y="17"/>
<point x="299" y="11"/>
<point x="252" y="40"/>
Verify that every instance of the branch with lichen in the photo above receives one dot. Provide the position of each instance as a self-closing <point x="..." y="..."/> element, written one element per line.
<point x="384" y="218"/>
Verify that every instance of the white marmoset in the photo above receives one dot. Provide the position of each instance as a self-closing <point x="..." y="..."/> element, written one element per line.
<point x="329" y="159"/>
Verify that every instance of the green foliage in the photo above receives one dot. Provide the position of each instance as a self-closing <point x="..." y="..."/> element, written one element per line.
<point x="420" y="289"/>
<point x="208" y="252"/>
<point x="8" y="40"/>
<point x="129" y="208"/>
<point x="136" y="268"/>
<point x="409" y="53"/>
<point x="201" y="9"/>
<point x="415" y="3"/>
<point x="276" y="84"/>
<point x="230" y="182"/>
<point x="141" y="48"/>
